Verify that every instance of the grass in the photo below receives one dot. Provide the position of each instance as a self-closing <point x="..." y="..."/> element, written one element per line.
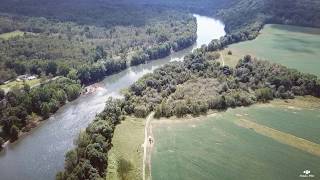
<point x="218" y="148"/>
<point x="285" y="138"/>
<point x="125" y="157"/>
<point x="296" y="117"/>
<point x="19" y="84"/>
<point x="292" y="46"/>
<point x="10" y="35"/>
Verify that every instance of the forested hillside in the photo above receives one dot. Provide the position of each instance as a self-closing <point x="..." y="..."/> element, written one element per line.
<point x="77" y="31"/>
<point x="246" y="14"/>
<point x="107" y="13"/>
<point x="71" y="48"/>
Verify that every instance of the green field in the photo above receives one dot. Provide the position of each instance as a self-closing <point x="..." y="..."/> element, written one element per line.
<point x="19" y="84"/>
<point x="219" y="148"/>
<point x="293" y="46"/>
<point x="127" y="141"/>
<point x="9" y="35"/>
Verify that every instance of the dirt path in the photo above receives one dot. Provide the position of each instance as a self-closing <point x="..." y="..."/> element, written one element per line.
<point x="222" y="59"/>
<point x="147" y="148"/>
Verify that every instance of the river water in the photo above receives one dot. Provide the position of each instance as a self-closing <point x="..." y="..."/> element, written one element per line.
<point x="40" y="154"/>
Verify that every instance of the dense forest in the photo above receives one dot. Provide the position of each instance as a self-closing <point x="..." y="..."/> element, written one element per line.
<point x="53" y="31"/>
<point x="200" y="83"/>
<point x="22" y="109"/>
<point x="57" y="48"/>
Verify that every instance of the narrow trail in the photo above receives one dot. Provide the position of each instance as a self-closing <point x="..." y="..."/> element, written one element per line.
<point x="147" y="148"/>
<point x="222" y="59"/>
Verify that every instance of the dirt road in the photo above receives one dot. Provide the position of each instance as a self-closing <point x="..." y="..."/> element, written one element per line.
<point x="147" y="148"/>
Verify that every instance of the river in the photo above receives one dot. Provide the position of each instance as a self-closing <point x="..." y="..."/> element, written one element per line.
<point x="40" y="154"/>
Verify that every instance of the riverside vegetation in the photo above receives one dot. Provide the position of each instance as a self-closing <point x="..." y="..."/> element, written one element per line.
<point x="168" y="90"/>
<point x="21" y="109"/>
<point x="91" y="40"/>
<point x="83" y="54"/>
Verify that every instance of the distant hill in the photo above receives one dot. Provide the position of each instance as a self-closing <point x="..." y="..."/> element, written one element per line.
<point x="236" y="14"/>
<point x="244" y="13"/>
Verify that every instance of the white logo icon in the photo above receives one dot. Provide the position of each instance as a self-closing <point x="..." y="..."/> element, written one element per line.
<point x="306" y="172"/>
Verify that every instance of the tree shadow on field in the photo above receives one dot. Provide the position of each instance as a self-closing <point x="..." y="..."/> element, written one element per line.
<point x="124" y="168"/>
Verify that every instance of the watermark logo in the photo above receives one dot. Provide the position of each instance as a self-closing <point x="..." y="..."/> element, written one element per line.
<point x="307" y="174"/>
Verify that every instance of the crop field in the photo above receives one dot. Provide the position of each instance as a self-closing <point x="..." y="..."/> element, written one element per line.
<point x="293" y="46"/>
<point x="274" y="141"/>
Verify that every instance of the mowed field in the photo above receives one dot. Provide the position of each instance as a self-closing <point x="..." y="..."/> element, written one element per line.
<point x="125" y="157"/>
<point x="9" y="35"/>
<point x="276" y="141"/>
<point x="292" y="46"/>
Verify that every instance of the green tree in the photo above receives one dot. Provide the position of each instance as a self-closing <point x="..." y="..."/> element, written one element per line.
<point x="63" y="70"/>
<point x="181" y="109"/>
<point x="71" y="161"/>
<point x="51" y="68"/>
<point x="2" y="94"/>
<point x="72" y="74"/>
<point x="45" y="110"/>
<point x="14" y="133"/>
<point x="1" y="143"/>
<point x="26" y="87"/>
<point x="264" y="94"/>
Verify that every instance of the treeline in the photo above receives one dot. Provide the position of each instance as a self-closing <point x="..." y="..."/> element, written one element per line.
<point x="168" y="90"/>
<point x="20" y="109"/>
<point x="108" y="13"/>
<point x="92" y="73"/>
<point x="161" y="50"/>
<point x="89" y="160"/>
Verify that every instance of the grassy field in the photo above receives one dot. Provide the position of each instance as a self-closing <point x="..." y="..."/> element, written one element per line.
<point x="263" y="142"/>
<point x="295" y="47"/>
<point x="125" y="157"/>
<point x="9" y="35"/>
<point x="19" y="84"/>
